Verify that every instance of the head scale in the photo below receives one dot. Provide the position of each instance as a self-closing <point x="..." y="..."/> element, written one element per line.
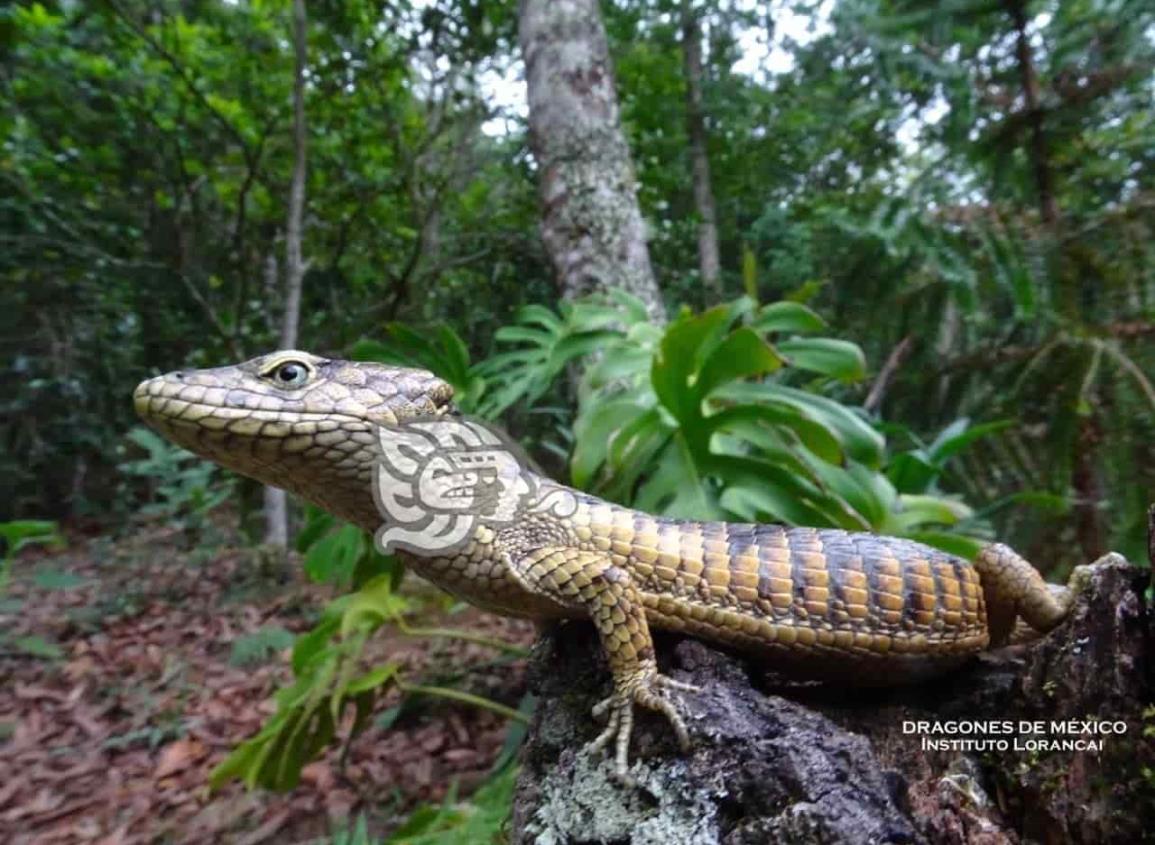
<point x="294" y="420"/>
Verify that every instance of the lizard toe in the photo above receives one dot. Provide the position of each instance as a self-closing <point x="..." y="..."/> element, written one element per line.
<point x="648" y="690"/>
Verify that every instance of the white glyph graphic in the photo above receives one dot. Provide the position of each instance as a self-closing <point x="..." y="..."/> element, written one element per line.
<point x="437" y="480"/>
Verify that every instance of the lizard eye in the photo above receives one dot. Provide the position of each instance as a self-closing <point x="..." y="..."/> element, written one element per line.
<point x="290" y="374"/>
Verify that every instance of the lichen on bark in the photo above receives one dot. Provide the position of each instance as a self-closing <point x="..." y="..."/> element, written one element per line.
<point x="592" y="225"/>
<point x="776" y="762"/>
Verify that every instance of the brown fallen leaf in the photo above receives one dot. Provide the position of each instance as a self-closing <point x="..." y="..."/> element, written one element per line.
<point x="318" y="774"/>
<point x="178" y="756"/>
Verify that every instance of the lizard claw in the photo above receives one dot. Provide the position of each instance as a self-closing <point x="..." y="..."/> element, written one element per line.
<point x="648" y="689"/>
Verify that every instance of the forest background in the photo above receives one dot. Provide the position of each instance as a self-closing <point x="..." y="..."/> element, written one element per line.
<point x="890" y="265"/>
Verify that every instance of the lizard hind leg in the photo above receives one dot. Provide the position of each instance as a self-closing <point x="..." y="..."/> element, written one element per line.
<point x="1014" y="591"/>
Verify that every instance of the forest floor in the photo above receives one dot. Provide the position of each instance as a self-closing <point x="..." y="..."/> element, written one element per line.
<point x="124" y="679"/>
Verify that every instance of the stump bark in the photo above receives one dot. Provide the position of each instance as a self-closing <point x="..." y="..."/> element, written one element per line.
<point x="779" y="762"/>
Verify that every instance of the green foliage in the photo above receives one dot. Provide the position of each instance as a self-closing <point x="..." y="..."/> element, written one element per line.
<point x="258" y="647"/>
<point x="329" y="681"/>
<point x="35" y="646"/>
<point x="338" y="553"/>
<point x="722" y="416"/>
<point x="917" y="470"/>
<point x="719" y="416"/>
<point x="358" y="834"/>
<point x="180" y="485"/>
<point x="481" y="819"/>
<point x="143" y="180"/>
<point x="442" y="352"/>
<point x="901" y="174"/>
<point x="20" y="534"/>
<point x="547" y="343"/>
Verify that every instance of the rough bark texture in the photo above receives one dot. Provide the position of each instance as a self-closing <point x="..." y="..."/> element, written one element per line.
<point x="591" y="223"/>
<point x="709" y="264"/>
<point x="825" y="765"/>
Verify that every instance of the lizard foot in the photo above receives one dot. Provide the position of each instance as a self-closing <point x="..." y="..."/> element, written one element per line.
<point x="1080" y="579"/>
<point x="649" y="689"/>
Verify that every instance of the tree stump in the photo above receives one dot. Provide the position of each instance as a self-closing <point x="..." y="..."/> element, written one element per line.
<point x="775" y="761"/>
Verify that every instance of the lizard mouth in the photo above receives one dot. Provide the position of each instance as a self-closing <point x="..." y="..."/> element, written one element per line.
<point x="166" y="400"/>
<point x="303" y="450"/>
<point x="203" y="419"/>
<point x="293" y="420"/>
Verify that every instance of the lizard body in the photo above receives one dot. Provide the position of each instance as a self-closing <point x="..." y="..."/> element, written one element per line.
<point x="863" y="608"/>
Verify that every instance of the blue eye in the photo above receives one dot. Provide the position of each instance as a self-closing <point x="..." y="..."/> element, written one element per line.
<point x="291" y="374"/>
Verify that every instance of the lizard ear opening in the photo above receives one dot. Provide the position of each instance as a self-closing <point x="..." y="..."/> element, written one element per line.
<point x="442" y="396"/>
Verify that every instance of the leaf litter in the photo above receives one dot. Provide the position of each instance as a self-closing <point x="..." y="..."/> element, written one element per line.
<point x="111" y="723"/>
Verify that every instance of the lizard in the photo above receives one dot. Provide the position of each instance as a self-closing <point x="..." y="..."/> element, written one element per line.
<point x="825" y="603"/>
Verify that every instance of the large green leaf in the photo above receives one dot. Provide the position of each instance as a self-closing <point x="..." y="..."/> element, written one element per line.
<point x="809" y="434"/>
<point x="838" y="358"/>
<point x="759" y="491"/>
<point x="785" y="317"/>
<point x="620" y="363"/>
<point x="915" y="512"/>
<point x="635" y="449"/>
<point x="857" y="437"/>
<point x="741" y="355"/>
<point x="676" y="364"/>
<point x="676" y="487"/>
<point x="595" y="432"/>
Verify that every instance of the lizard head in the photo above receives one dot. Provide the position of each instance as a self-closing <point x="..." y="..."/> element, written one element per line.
<point x="294" y="420"/>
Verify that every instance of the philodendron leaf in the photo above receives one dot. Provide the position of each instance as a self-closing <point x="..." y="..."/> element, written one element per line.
<point x="856" y="436"/>
<point x="595" y="432"/>
<point x="790" y="317"/>
<point x="920" y="511"/>
<point x="741" y="355"/>
<point x="674" y="367"/>
<point x="786" y="420"/>
<point x="838" y="358"/>
<point x="676" y="488"/>
<point x="955" y="544"/>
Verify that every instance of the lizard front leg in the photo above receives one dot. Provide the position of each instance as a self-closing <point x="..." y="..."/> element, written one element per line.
<point x="590" y="582"/>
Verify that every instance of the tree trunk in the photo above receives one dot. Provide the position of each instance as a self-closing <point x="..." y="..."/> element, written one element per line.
<point x="294" y="263"/>
<point x="276" y="502"/>
<point x="1087" y="483"/>
<point x="1039" y="153"/>
<point x="591" y="223"/>
<point x="775" y="762"/>
<point x="708" y="261"/>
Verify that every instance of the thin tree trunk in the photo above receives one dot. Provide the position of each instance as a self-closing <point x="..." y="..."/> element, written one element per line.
<point x="708" y="261"/>
<point x="294" y="263"/>
<point x="276" y="502"/>
<point x="1088" y="487"/>
<point x="1039" y="152"/>
<point x="591" y="223"/>
<point x="897" y="356"/>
